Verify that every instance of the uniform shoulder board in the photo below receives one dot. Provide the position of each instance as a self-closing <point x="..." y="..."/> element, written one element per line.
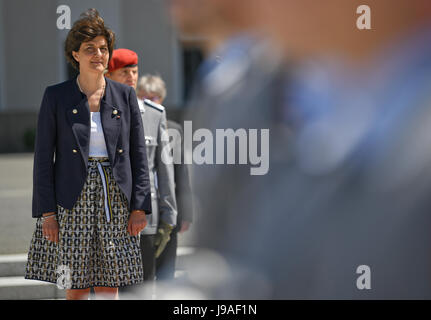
<point x="154" y="105"/>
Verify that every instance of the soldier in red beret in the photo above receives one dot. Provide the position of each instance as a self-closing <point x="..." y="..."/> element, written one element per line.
<point x="123" y="67"/>
<point x="154" y="238"/>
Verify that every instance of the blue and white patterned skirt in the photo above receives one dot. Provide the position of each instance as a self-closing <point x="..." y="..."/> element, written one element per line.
<point x="94" y="248"/>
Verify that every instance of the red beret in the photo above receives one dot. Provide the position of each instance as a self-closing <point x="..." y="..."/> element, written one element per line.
<point x="122" y="58"/>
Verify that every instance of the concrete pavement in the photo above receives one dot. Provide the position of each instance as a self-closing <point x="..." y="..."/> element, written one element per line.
<point x="16" y="224"/>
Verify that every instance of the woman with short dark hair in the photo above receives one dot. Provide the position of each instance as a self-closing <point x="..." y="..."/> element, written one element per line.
<point x="91" y="189"/>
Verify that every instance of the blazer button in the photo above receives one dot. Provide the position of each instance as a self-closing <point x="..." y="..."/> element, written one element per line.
<point x="120" y="150"/>
<point x="115" y="111"/>
<point x="75" y="151"/>
<point x="75" y="111"/>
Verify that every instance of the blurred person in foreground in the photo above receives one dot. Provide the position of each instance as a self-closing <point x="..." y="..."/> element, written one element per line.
<point x="234" y="95"/>
<point x="357" y="191"/>
<point x="348" y="181"/>
<point x="123" y="68"/>
<point x="153" y="88"/>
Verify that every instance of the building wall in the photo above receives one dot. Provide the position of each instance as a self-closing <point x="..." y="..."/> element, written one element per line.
<point x="30" y="55"/>
<point x="2" y="61"/>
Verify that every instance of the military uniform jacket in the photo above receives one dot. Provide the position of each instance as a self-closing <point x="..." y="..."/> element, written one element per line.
<point x="62" y="146"/>
<point x="161" y="172"/>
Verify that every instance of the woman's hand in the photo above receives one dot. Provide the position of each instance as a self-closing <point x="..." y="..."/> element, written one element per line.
<point x="137" y="222"/>
<point x="50" y="227"/>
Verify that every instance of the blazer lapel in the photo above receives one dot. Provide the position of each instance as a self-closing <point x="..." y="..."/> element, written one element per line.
<point x="110" y="115"/>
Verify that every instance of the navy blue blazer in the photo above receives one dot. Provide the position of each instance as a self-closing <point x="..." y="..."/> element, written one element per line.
<point x="62" y="146"/>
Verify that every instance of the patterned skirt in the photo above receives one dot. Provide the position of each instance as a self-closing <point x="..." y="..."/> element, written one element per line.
<point x="94" y="248"/>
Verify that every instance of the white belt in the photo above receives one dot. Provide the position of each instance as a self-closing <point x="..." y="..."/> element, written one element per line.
<point x="107" y="197"/>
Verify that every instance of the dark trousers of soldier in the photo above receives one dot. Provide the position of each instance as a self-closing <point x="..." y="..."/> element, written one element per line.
<point x="148" y="251"/>
<point x="165" y="264"/>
